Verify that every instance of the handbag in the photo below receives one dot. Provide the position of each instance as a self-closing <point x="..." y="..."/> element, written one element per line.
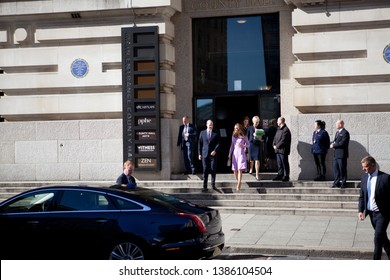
<point x="229" y="162"/>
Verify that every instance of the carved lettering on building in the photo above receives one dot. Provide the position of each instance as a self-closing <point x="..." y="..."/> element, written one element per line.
<point x="227" y="4"/>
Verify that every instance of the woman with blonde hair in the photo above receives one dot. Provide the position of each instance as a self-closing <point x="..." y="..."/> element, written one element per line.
<point x="255" y="146"/>
<point x="237" y="153"/>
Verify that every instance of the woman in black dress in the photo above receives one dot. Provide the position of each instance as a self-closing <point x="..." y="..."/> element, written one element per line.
<point x="254" y="147"/>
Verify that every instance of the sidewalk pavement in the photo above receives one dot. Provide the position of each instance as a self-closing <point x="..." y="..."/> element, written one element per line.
<point x="315" y="236"/>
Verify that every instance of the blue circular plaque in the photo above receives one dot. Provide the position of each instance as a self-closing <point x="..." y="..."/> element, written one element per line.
<point x="79" y="68"/>
<point x="386" y="53"/>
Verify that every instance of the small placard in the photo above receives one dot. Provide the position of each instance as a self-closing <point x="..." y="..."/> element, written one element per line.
<point x="145" y="107"/>
<point x="146" y="135"/>
<point x="146" y="121"/>
<point x="146" y="162"/>
<point x="79" y="68"/>
<point x="143" y="149"/>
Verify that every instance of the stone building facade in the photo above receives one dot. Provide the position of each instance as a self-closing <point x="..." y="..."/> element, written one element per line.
<point x="58" y="124"/>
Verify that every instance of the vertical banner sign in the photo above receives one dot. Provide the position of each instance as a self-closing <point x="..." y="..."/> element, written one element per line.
<point x="141" y="97"/>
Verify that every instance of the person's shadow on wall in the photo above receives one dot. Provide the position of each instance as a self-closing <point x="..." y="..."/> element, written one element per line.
<point x="308" y="169"/>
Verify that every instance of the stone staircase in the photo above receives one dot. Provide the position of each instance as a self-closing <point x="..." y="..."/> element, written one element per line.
<point x="256" y="197"/>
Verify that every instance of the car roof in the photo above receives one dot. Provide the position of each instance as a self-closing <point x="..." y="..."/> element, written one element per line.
<point x="112" y="189"/>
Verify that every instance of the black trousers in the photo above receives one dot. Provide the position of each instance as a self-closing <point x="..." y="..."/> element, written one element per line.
<point x="283" y="165"/>
<point x="319" y="159"/>
<point x="380" y="224"/>
<point x="340" y="171"/>
<point x="209" y="167"/>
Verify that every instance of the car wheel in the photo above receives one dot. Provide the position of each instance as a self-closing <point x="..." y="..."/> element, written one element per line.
<point x="127" y="251"/>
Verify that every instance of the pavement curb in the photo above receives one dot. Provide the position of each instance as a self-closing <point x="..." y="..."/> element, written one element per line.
<point x="331" y="253"/>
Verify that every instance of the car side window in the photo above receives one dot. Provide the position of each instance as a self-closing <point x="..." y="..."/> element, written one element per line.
<point x="80" y="200"/>
<point x="126" y="204"/>
<point x="34" y="202"/>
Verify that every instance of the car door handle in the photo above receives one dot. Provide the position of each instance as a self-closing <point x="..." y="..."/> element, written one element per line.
<point x="102" y="220"/>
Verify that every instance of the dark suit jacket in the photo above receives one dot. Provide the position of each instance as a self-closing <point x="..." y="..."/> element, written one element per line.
<point x="191" y="138"/>
<point x="282" y="140"/>
<point x="123" y="180"/>
<point x="321" y="142"/>
<point x="382" y="193"/>
<point x="204" y="147"/>
<point x="340" y="144"/>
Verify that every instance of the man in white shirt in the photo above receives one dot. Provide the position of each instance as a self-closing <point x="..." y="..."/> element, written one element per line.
<point x="374" y="201"/>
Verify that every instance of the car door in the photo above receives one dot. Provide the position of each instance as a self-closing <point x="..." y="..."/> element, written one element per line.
<point x="82" y="225"/>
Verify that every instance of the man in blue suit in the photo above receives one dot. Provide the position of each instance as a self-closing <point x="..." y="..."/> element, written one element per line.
<point x="186" y="141"/>
<point x="208" y="146"/>
<point x="340" y="155"/>
<point x="374" y="200"/>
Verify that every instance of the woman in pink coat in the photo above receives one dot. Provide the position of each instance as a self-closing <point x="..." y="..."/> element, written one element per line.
<point x="237" y="153"/>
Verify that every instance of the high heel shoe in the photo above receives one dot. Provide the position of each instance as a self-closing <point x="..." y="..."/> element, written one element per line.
<point x="258" y="178"/>
<point x="250" y="171"/>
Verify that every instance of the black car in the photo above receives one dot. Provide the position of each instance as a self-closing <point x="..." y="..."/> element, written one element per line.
<point x="84" y="222"/>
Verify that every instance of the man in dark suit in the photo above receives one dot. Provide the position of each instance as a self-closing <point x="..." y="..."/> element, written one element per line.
<point x="126" y="179"/>
<point x="340" y="155"/>
<point x="374" y="200"/>
<point x="208" y="146"/>
<point x="186" y="141"/>
<point x="282" y="147"/>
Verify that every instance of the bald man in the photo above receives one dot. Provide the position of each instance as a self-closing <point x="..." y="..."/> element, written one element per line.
<point x="340" y="155"/>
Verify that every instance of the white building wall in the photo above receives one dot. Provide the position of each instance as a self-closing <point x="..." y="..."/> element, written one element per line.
<point x="340" y="73"/>
<point x="60" y="127"/>
<point x="339" y="51"/>
<point x="85" y="150"/>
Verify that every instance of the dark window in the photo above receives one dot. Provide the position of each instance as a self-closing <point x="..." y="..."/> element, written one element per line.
<point x="242" y="54"/>
<point x="79" y="200"/>
<point x="124" y="204"/>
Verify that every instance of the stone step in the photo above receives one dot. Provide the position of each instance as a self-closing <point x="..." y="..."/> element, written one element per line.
<point x="224" y="176"/>
<point x="191" y="181"/>
<point x="274" y="196"/>
<point x="287" y="211"/>
<point x="231" y="189"/>
<point x="279" y="204"/>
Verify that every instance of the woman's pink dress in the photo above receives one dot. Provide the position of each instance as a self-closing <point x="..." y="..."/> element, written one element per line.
<point x="237" y="152"/>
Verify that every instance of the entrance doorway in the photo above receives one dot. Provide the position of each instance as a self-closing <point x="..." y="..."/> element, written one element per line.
<point x="236" y="73"/>
<point x="226" y="111"/>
